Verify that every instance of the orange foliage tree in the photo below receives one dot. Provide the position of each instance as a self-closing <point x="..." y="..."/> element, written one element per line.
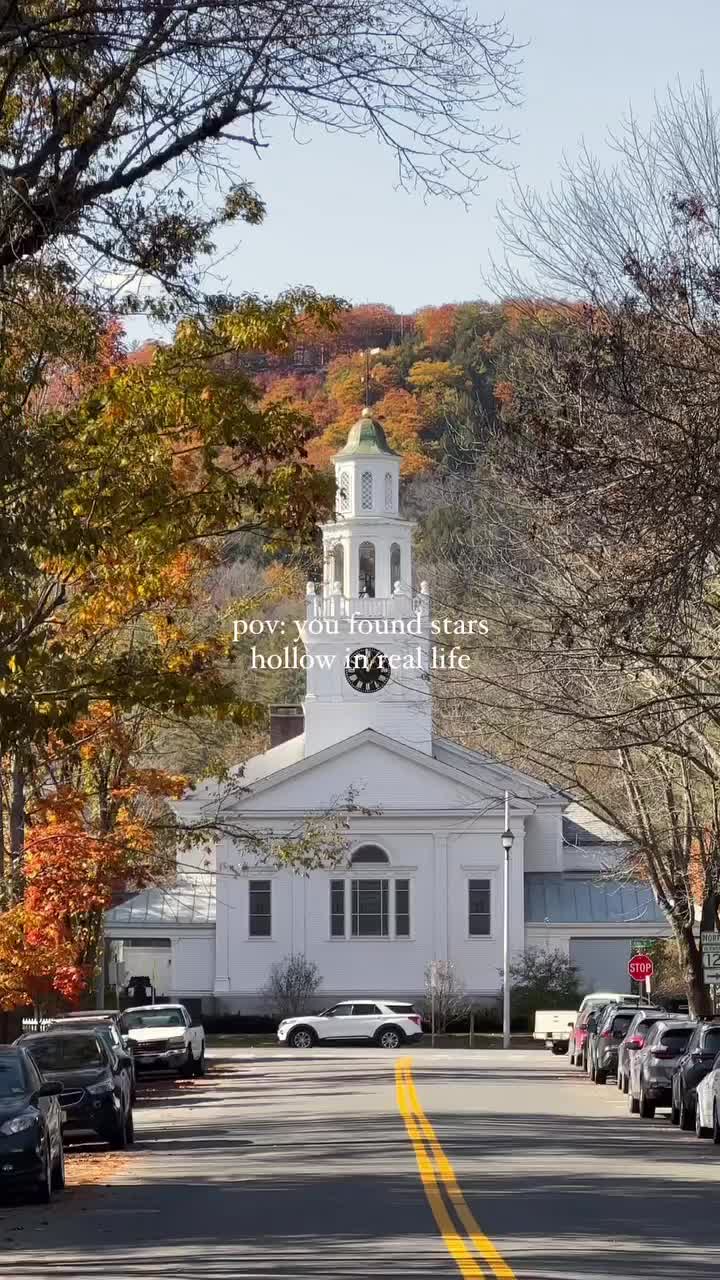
<point x="103" y="829"/>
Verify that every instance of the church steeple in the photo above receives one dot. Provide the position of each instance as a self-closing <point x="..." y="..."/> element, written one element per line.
<point x="367" y="604"/>
<point x="368" y="550"/>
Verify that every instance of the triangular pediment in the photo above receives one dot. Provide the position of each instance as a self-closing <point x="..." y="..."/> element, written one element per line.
<point x="378" y="772"/>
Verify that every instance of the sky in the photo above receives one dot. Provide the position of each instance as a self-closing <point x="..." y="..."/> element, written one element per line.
<point x="337" y="221"/>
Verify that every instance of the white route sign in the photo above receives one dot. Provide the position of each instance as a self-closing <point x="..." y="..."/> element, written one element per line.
<point x="710" y="944"/>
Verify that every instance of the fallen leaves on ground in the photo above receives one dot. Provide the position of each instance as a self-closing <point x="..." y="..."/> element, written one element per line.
<point x="94" y="1168"/>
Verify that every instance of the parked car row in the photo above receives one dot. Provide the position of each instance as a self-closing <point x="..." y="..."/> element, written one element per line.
<point x="659" y="1058"/>
<point x="77" y="1079"/>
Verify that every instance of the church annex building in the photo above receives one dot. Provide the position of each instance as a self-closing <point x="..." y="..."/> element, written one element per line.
<point x="424" y="876"/>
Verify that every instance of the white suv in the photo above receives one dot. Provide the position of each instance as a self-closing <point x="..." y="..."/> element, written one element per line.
<point x="385" y="1023"/>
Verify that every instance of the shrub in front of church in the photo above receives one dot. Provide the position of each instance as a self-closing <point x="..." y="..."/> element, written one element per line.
<point x="290" y="985"/>
<point x="542" y="980"/>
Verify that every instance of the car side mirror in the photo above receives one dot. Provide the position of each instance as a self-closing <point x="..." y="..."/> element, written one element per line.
<point x="50" y="1089"/>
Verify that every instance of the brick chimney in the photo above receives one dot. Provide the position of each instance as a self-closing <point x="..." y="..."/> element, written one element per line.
<point x="286" y="722"/>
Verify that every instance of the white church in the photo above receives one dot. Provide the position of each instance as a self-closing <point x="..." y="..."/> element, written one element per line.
<point x="422" y="879"/>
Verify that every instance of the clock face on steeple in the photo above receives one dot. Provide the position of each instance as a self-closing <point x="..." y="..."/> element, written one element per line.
<point x="367" y="670"/>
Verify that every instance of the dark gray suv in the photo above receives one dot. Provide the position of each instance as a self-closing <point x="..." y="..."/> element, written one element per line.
<point x="634" y="1040"/>
<point x="652" y="1067"/>
<point x="604" y="1041"/>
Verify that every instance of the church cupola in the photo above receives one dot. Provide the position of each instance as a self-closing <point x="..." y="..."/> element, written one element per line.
<point x="367" y="631"/>
<point x="367" y="472"/>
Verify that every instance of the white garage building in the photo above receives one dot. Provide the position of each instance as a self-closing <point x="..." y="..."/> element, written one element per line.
<point x="423" y="876"/>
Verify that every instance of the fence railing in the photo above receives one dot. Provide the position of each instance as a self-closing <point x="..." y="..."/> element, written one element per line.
<point x="36" y="1024"/>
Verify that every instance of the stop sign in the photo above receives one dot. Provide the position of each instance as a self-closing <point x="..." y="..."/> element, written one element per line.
<point x="640" y="967"/>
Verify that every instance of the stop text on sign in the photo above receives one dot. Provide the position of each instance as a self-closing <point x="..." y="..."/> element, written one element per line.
<point x="641" y="967"/>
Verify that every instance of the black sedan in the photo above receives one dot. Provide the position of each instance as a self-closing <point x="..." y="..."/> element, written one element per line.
<point x="95" y="1096"/>
<point x="31" y="1150"/>
<point x="702" y="1049"/>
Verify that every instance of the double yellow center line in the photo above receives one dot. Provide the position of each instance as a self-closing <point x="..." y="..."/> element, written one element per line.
<point x="467" y="1245"/>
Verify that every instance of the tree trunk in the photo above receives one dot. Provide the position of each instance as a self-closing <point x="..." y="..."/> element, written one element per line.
<point x="691" y="964"/>
<point x="709" y="917"/>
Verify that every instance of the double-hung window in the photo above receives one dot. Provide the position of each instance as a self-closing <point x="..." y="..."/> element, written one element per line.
<point x="478" y="908"/>
<point x="369" y="910"/>
<point x="260" y="909"/>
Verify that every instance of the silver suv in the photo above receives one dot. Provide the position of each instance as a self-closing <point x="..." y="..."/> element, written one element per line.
<point x="652" y="1067"/>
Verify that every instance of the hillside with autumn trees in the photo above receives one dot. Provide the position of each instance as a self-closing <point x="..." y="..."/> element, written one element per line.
<point x="430" y="372"/>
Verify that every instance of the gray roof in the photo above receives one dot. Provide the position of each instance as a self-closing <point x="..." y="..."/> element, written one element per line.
<point x="579" y="898"/>
<point x="187" y="903"/>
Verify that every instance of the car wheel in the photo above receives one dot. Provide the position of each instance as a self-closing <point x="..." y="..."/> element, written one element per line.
<point x="618" y="1082"/>
<point x="626" y="1084"/>
<point x="389" y="1038"/>
<point x="701" y="1130"/>
<point x="58" y="1173"/>
<point x="118" y="1138"/>
<point x="646" y="1109"/>
<point x="633" y="1104"/>
<point x="674" y="1112"/>
<point x="43" y="1191"/>
<point x="188" y="1065"/>
<point x="200" y="1067"/>
<point x="572" y="1059"/>
<point x="715" y="1126"/>
<point x="302" y="1038"/>
<point x="600" y="1076"/>
<point x="129" y="1127"/>
<point x="686" y="1119"/>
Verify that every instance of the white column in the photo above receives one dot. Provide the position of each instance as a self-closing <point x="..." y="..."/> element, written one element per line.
<point x="440" y="898"/>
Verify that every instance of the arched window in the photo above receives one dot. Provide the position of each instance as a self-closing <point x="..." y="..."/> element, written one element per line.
<point x="394" y="566"/>
<point x="338" y="567"/>
<point x="343" y="492"/>
<point x="369" y="853"/>
<point x="366" y="491"/>
<point x="388" y="491"/>
<point x="366" y="577"/>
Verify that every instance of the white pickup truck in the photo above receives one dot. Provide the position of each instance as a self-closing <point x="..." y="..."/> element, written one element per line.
<point x="163" y="1036"/>
<point x="554" y="1026"/>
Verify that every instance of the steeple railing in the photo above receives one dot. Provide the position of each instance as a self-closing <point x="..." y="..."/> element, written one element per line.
<point x="337" y="606"/>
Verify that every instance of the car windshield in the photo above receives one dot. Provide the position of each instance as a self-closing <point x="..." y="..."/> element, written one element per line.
<point x="12" y="1077"/>
<point x="65" y="1053"/>
<point x="621" y="1023"/>
<point x="677" y="1038"/>
<point x="153" y="1018"/>
<point x="712" y="1041"/>
<point x="644" y="1023"/>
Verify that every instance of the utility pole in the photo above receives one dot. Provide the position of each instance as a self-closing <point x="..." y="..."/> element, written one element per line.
<point x="507" y="843"/>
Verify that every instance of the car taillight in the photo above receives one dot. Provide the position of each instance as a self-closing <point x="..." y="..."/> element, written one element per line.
<point x="635" y="1042"/>
<point x="415" y="1017"/>
<point x="606" y="1035"/>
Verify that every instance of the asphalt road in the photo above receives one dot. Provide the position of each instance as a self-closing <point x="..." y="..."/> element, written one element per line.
<point x="344" y="1163"/>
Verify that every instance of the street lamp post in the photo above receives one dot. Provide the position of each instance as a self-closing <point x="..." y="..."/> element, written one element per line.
<point x="507" y="843"/>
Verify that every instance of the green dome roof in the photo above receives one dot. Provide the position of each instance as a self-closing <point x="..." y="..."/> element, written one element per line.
<point x="366" y="439"/>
